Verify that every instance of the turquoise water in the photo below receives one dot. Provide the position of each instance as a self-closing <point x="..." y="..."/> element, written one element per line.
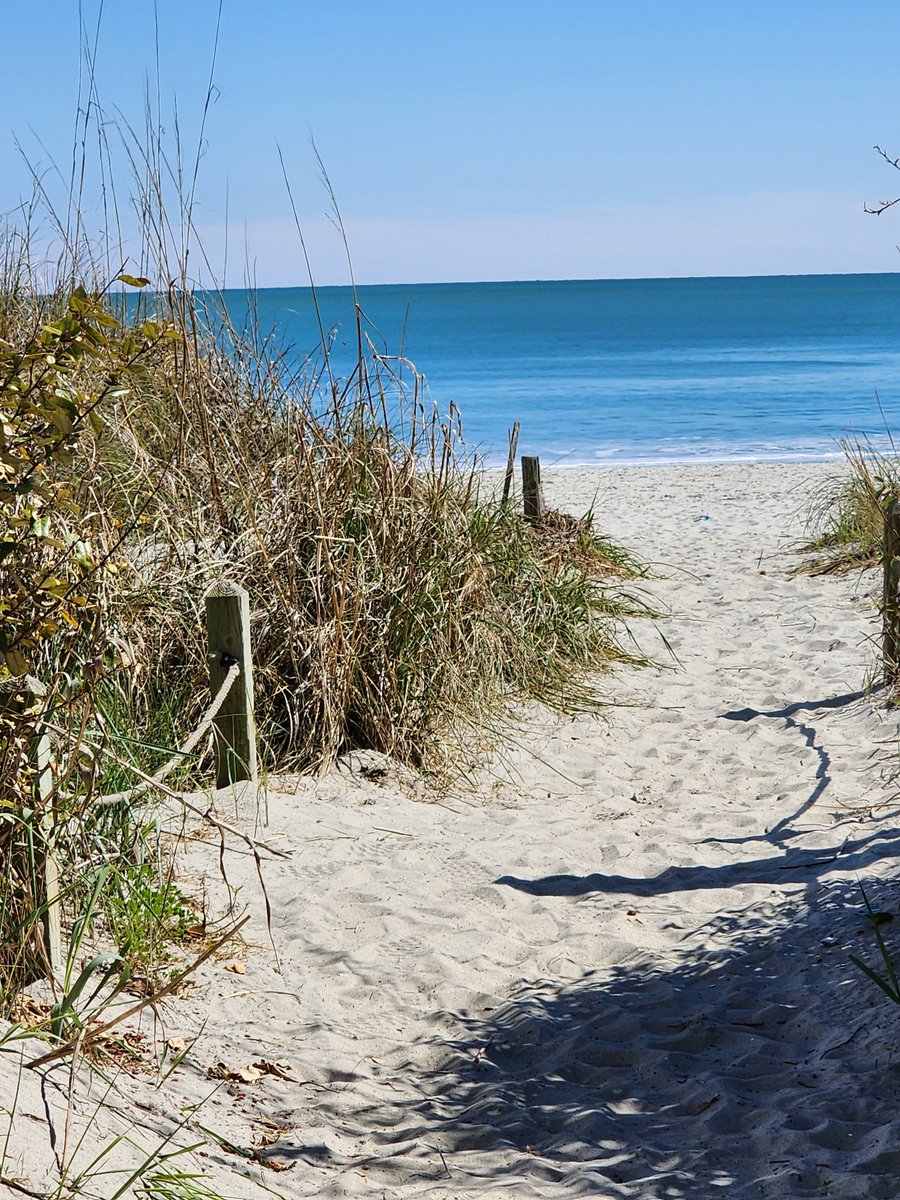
<point x="623" y="371"/>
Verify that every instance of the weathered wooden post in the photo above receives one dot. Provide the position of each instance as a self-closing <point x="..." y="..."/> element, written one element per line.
<point x="228" y="635"/>
<point x="511" y="461"/>
<point x="22" y="698"/>
<point x="890" y="607"/>
<point x="532" y="495"/>
<point x="48" y="872"/>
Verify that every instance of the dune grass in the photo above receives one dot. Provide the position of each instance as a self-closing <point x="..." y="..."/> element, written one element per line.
<point x="846" y="517"/>
<point x="395" y="607"/>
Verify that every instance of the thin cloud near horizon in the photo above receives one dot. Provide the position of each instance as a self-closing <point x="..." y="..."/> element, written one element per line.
<point x="762" y="233"/>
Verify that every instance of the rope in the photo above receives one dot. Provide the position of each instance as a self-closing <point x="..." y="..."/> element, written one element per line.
<point x="208" y="717"/>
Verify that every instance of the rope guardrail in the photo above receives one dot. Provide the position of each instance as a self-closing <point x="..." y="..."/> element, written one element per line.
<point x="209" y="716"/>
<point x="231" y="708"/>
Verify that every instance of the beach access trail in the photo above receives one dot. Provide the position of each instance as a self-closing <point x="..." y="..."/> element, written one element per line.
<point x="619" y="966"/>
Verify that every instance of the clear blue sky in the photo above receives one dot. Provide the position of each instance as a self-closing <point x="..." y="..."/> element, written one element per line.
<point x="496" y="139"/>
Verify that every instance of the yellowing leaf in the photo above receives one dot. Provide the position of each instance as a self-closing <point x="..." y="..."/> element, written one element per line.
<point x="15" y="662"/>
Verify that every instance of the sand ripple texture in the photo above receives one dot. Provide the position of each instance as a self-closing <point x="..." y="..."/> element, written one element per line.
<point x="619" y="967"/>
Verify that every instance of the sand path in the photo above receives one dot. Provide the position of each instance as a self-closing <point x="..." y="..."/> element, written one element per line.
<point x="620" y="967"/>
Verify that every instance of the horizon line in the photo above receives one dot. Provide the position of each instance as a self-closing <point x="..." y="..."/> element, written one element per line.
<point x="572" y="279"/>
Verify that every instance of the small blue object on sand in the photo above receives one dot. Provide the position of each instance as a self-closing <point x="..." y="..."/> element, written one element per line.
<point x="702" y="517"/>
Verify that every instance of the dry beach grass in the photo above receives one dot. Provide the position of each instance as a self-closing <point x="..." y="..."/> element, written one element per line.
<point x="394" y="609"/>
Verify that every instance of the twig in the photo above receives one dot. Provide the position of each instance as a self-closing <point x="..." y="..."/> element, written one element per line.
<point x="85" y="1038"/>
<point x="223" y="826"/>
<point x="440" y="1155"/>
<point x="885" y="204"/>
<point x="15" y="1186"/>
<point x="845" y="1042"/>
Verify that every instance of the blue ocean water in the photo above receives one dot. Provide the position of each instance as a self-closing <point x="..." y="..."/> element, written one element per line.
<point x="772" y="368"/>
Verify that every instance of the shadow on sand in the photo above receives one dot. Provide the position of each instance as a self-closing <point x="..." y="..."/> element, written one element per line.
<point x="760" y="1063"/>
<point x="751" y="1061"/>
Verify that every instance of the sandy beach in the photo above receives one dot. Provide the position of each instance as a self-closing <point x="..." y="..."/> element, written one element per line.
<point x="618" y="966"/>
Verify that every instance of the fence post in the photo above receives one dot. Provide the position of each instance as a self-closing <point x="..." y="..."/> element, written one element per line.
<point x="890" y="607"/>
<point x="47" y="868"/>
<point x="228" y="636"/>
<point x="532" y="494"/>
<point x="511" y="461"/>
<point x="19" y="698"/>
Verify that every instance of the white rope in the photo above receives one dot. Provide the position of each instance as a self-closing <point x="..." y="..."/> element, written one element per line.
<point x="158" y="776"/>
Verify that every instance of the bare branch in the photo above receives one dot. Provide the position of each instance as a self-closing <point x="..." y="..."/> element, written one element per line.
<point x="880" y="208"/>
<point x="884" y="205"/>
<point x="894" y="162"/>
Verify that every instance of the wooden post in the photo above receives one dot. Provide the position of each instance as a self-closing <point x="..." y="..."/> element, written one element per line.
<point x="228" y="634"/>
<point x="511" y="461"/>
<point x="48" y="877"/>
<point x="22" y="697"/>
<point x="890" y="607"/>
<point x="532" y="495"/>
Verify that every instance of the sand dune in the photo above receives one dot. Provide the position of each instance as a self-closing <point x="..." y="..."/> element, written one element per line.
<point x="616" y="968"/>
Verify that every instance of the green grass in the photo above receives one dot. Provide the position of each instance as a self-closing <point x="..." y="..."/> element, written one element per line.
<point x="846" y="517"/>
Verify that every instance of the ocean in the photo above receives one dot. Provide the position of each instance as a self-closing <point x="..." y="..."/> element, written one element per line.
<point x="760" y="369"/>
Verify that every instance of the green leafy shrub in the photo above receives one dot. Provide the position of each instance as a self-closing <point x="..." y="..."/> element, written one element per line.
<point x="61" y="366"/>
<point x="147" y="912"/>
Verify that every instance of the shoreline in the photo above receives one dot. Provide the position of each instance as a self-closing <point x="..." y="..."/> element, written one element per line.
<point x="563" y="463"/>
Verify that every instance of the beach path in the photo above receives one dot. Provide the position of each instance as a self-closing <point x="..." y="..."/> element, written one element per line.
<point x="619" y="966"/>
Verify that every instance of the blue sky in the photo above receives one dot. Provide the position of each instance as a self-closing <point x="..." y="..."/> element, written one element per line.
<point x="494" y="140"/>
